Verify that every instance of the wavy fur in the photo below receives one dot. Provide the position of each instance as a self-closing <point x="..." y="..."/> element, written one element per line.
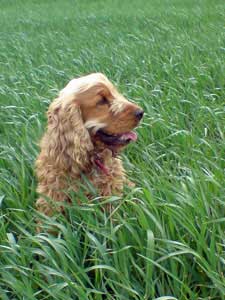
<point x="68" y="149"/>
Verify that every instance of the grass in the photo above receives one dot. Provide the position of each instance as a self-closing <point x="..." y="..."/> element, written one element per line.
<point x="165" y="239"/>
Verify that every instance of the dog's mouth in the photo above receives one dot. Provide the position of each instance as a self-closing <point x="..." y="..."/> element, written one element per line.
<point x="117" y="139"/>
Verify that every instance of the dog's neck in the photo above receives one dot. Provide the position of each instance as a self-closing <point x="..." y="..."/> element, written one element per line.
<point x="103" y="156"/>
<point x="103" y="160"/>
<point x="101" y="166"/>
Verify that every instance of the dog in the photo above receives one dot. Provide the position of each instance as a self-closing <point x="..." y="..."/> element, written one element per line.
<point x="89" y="124"/>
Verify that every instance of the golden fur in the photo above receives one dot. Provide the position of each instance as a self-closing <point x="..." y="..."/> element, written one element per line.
<point x="70" y="146"/>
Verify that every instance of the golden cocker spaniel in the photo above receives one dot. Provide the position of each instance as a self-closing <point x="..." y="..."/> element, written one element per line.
<point x="88" y="125"/>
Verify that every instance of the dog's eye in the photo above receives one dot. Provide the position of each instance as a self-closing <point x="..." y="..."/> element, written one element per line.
<point x="103" y="101"/>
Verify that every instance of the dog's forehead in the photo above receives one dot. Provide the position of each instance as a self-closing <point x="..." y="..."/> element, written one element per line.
<point x="83" y="83"/>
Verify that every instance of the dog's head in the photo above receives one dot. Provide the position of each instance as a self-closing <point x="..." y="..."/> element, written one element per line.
<point x="106" y="114"/>
<point x="89" y="115"/>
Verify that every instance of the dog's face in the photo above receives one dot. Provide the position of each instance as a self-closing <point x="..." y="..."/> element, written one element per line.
<point x="106" y="114"/>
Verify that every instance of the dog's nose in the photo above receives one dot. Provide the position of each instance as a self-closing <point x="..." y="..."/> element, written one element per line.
<point x="139" y="114"/>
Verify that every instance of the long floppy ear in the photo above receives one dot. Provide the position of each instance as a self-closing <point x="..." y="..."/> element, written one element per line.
<point x="67" y="142"/>
<point x="82" y="144"/>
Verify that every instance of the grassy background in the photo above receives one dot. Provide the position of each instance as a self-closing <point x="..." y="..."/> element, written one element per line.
<point x="165" y="239"/>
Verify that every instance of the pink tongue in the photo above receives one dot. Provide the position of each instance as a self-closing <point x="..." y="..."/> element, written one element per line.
<point x="129" y="136"/>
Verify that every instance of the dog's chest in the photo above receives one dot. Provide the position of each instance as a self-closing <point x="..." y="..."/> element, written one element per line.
<point x="108" y="175"/>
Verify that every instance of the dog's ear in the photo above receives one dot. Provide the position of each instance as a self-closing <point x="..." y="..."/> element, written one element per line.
<point x="67" y="141"/>
<point x="82" y="144"/>
<point x="53" y="113"/>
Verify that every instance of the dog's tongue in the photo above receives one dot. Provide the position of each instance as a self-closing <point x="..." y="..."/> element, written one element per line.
<point x="132" y="136"/>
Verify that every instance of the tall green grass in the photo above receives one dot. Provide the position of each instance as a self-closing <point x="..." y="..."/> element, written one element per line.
<point x="165" y="238"/>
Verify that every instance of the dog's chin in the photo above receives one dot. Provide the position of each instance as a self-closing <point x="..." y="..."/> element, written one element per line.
<point x="116" y="140"/>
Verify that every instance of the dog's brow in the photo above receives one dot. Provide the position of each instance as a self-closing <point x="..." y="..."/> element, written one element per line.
<point x="118" y="105"/>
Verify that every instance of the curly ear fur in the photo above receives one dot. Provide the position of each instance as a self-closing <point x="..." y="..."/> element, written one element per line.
<point x="66" y="142"/>
<point x="79" y="136"/>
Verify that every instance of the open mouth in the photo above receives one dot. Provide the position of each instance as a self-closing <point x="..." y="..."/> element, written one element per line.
<point x="117" y="139"/>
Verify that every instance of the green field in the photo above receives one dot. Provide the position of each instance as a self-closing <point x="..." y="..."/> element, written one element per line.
<point x="165" y="238"/>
